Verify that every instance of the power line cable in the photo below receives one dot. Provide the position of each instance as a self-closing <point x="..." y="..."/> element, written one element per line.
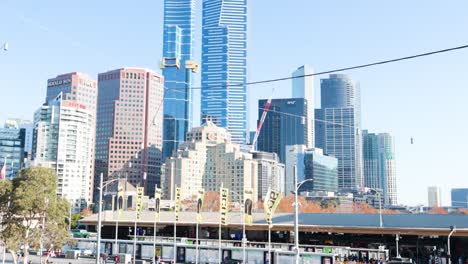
<point x="331" y="71"/>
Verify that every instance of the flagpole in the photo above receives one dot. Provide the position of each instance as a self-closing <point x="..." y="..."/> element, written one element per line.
<point x="156" y="216"/>
<point x="134" y="230"/>
<point x="175" y="227"/>
<point x="244" y="239"/>
<point x="154" y="242"/>
<point x="219" y="231"/>
<point x="196" y="245"/>
<point x="117" y="229"/>
<point x="269" y="243"/>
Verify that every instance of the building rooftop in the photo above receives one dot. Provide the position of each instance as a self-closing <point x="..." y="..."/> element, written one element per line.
<point x="413" y="224"/>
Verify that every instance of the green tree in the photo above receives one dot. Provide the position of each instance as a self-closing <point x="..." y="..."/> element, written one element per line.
<point x="74" y="220"/>
<point x="30" y="201"/>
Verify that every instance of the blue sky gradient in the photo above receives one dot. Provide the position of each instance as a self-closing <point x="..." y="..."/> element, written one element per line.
<point x="424" y="98"/>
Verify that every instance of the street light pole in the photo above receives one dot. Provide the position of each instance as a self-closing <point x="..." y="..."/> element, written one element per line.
<point x="296" y="213"/>
<point x="453" y="229"/>
<point x="244" y="239"/>
<point x="98" y="243"/>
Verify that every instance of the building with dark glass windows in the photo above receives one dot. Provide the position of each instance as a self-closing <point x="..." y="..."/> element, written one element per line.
<point x="12" y="142"/>
<point x="460" y="197"/>
<point x="338" y="128"/>
<point x="311" y="163"/>
<point x="177" y="67"/>
<point x="284" y="125"/>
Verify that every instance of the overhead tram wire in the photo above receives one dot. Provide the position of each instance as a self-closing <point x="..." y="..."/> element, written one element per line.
<point x="332" y="71"/>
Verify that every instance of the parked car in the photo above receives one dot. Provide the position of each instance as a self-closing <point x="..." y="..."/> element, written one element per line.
<point x="80" y="233"/>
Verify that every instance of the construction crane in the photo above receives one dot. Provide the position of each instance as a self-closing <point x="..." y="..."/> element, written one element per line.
<point x="262" y="120"/>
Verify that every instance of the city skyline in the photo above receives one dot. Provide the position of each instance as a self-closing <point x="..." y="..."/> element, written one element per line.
<point x="412" y="118"/>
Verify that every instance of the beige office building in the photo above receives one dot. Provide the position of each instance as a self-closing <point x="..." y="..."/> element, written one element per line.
<point x="208" y="159"/>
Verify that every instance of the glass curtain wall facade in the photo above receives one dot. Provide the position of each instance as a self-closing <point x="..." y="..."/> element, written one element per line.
<point x="284" y="125"/>
<point x="459" y="197"/>
<point x="12" y="143"/>
<point x="179" y="16"/>
<point x="224" y="66"/>
<point x="379" y="165"/>
<point x="339" y="129"/>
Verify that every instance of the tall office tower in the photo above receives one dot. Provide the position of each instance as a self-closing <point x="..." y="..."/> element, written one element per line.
<point x="28" y="127"/>
<point x="303" y="87"/>
<point x="224" y="66"/>
<point x="82" y="89"/>
<point x="12" y="150"/>
<point x="129" y="126"/>
<point x="311" y="163"/>
<point x="177" y="67"/>
<point x="459" y="197"/>
<point x="434" y="195"/>
<point x="271" y="173"/>
<point x="63" y="141"/>
<point x="207" y="160"/>
<point x="338" y="128"/>
<point x="285" y="124"/>
<point x="379" y="164"/>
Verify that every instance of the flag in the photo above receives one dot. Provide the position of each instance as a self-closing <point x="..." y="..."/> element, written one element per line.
<point x="177" y="203"/>
<point x="139" y="206"/>
<point x="223" y="205"/>
<point x="157" y="203"/>
<point x="200" y="199"/>
<point x="272" y="201"/>
<point x="248" y="205"/>
<point x="3" y="171"/>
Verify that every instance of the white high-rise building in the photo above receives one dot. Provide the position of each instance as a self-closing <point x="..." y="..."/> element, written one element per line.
<point x="63" y="141"/>
<point x="303" y="87"/>
<point x="208" y="159"/>
<point x="434" y="195"/>
<point x="271" y="173"/>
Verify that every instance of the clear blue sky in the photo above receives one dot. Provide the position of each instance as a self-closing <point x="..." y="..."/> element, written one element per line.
<point x="424" y="99"/>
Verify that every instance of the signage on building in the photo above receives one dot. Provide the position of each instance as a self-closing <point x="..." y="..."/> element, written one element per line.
<point x="59" y="82"/>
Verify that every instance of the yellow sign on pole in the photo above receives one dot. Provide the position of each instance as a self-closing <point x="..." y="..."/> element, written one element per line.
<point x="157" y="203"/>
<point x="120" y="200"/>
<point x="177" y="203"/>
<point x="272" y="201"/>
<point x="139" y="202"/>
<point x="248" y="205"/>
<point x="224" y="205"/>
<point x="200" y="200"/>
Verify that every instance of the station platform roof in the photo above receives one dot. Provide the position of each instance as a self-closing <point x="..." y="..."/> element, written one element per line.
<point x="409" y="224"/>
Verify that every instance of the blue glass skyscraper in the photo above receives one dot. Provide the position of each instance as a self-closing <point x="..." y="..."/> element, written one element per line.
<point x="224" y="65"/>
<point x="177" y="67"/>
<point x="338" y="128"/>
<point x="379" y="164"/>
<point x="284" y="125"/>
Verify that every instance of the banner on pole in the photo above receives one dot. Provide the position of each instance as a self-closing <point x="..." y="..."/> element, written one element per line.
<point x="139" y="201"/>
<point x="223" y="205"/>
<point x="200" y="200"/>
<point x="177" y="203"/>
<point x="248" y="205"/>
<point x="157" y="203"/>
<point x="120" y="200"/>
<point x="270" y="204"/>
